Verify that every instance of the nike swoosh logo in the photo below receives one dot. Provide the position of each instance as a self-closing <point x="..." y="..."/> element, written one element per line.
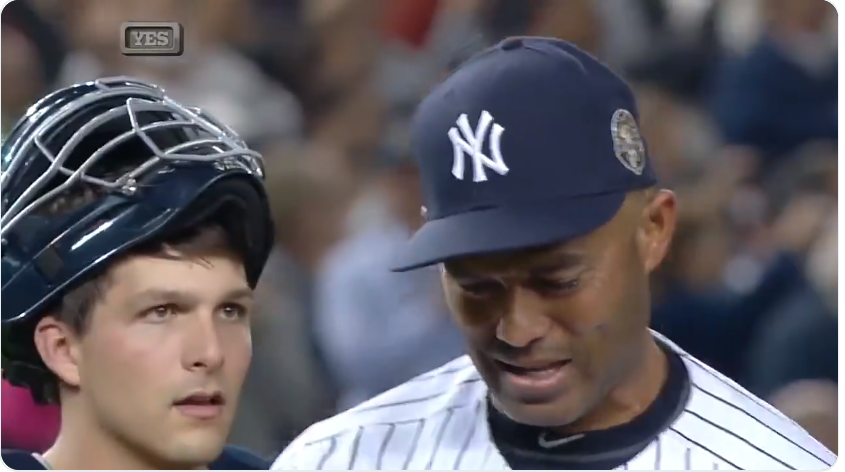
<point x="546" y="443"/>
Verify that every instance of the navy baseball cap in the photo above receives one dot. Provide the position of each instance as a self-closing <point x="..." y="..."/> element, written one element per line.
<point x="529" y="143"/>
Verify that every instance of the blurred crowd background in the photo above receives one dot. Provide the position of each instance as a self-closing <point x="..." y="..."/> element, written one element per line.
<point x="738" y="100"/>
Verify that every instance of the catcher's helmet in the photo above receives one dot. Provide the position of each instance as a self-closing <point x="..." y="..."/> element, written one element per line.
<point x="141" y="166"/>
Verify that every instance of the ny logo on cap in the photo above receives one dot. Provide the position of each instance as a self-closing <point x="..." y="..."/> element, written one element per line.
<point x="465" y="141"/>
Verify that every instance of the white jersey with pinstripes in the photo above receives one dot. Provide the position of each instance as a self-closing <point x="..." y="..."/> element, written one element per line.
<point x="437" y="421"/>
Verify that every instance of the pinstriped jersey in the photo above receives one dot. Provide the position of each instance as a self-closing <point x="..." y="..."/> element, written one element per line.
<point x="438" y="421"/>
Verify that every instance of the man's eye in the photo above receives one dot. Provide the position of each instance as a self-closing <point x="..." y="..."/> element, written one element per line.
<point x="233" y="311"/>
<point x="160" y="312"/>
<point x="482" y="289"/>
<point x="556" y="285"/>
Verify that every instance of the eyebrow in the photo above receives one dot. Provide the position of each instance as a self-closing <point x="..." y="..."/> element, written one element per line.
<point x="155" y="294"/>
<point x="239" y="294"/>
<point x="557" y="262"/>
<point x="550" y="264"/>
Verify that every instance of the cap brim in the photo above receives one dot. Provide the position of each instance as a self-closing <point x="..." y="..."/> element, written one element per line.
<point x="506" y="228"/>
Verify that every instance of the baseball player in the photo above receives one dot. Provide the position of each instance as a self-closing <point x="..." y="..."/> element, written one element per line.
<point x="545" y="218"/>
<point x="134" y="230"/>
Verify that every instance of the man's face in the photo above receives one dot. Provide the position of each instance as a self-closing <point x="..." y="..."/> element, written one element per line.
<point x="166" y="352"/>
<point x="553" y="331"/>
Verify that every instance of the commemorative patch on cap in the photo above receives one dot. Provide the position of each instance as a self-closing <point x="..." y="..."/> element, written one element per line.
<point x="628" y="144"/>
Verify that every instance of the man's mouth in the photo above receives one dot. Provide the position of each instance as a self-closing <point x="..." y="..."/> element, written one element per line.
<point x="534" y="380"/>
<point x="533" y="370"/>
<point x="201" y="405"/>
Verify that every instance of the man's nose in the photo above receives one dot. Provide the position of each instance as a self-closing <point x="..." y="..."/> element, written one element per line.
<point x="524" y="321"/>
<point x="204" y="350"/>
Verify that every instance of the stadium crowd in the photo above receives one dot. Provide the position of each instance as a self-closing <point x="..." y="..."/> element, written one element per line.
<point x="738" y="101"/>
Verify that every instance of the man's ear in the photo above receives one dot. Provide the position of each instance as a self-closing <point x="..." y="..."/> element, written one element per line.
<point x="656" y="228"/>
<point x="58" y="346"/>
